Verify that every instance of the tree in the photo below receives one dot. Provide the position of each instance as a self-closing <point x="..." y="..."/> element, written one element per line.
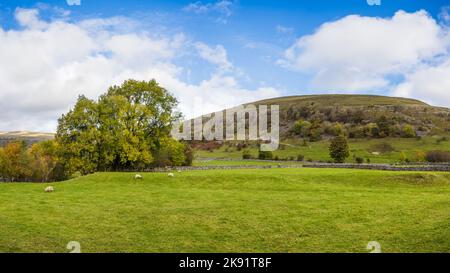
<point x="78" y="137"/>
<point x="44" y="159"/>
<point x="125" y="129"/>
<point x="339" y="149"/>
<point x="384" y="126"/>
<point x="172" y="153"/>
<point x="14" y="162"/>
<point x="302" y="128"/>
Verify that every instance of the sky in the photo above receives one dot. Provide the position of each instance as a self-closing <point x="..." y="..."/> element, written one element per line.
<point x="217" y="54"/>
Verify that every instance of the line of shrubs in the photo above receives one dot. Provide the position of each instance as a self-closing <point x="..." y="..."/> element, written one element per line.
<point x="430" y="156"/>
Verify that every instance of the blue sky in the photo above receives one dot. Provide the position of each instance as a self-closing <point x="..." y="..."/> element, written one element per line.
<point x="214" y="51"/>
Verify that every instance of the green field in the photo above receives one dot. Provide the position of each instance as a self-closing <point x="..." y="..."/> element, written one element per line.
<point x="365" y="148"/>
<point x="275" y="210"/>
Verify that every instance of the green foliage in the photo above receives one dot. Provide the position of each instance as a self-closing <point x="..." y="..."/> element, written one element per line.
<point x="128" y="128"/>
<point x="339" y="149"/>
<point x="359" y="160"/>
<point x="265" y="155"/>
<point x="408" y="131"/>
<point x="44" y="160"/>
<point x="302" y="128"/>
<point x="79" y="138"/>
<point x="403" y="157"/>
<point x="246" y="154"/>
<point x="172" y="153"/>
<point x="300" y="157"/>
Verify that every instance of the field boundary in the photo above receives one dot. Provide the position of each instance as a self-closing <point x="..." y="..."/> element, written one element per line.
<point x="381" y="167"/>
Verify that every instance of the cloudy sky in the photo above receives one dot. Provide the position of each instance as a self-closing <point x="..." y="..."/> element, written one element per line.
<point x="217" y="54"/>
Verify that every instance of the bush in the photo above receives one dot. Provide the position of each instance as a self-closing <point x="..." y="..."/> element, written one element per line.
<point x="420" y="156"/>
<point x="408" y="131"/>
<point x="188" y="155"/>
<point x="300" y="157"/>
<point x="265" y="155"/>
<point x="339" y="149"/>
<point x="246" y="154"/>
<point x="359" y="160"/>
<point x="403" y="157"/>
<point x="438" y="156"/>
<point x="442" y="139"/>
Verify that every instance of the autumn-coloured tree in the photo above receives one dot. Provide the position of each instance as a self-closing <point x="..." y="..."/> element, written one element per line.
<point x="43" y="159"/>
<point x="14" y="162"/>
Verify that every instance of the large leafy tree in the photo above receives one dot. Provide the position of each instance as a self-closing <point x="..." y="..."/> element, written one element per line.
<point x="125" y="129"/>
<point x="79" y="138"/>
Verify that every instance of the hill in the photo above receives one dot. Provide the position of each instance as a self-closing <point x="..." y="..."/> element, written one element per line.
<point x="379" y="128"/>
<point x="29" y="137"/>
<point x="360" y="116"/>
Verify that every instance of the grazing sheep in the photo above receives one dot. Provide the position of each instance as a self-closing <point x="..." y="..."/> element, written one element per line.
<point x="138" y="176"/>
<point x="49" y="189"/>
<point x="170" y="175"/>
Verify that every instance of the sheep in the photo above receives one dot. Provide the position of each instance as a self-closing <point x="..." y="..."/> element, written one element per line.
<point x="138" y="176"/>
<point x="49" y="189"/>
<point x="170" y="175"/>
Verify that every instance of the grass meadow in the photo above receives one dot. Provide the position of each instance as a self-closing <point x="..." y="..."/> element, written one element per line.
<point x="270" y="210"/>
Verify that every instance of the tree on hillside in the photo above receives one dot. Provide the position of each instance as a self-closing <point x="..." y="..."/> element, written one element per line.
<point x="339" y="149"/>
<point x="408" y="131"/>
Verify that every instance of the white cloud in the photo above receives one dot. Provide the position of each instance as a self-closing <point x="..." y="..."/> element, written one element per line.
<point x="223" y="9"/>
<point x="215" y="55"/>
<point x="359" y="53"/>
<point x="73" y="2"/>
<point x="46" y="65"/>
<point x="428" y="83"/>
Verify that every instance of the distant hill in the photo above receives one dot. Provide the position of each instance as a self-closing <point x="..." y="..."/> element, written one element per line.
<point x="29" y="137"/>
<point x="315" y="117"/>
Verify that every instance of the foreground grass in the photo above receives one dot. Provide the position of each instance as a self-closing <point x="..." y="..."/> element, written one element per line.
<point x="275" y="210"/>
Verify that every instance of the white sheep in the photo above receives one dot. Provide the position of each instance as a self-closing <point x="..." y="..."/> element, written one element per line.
<point x="49" y="189"/>
<point x="170" y="175"/>
<point x="138" y="176"/>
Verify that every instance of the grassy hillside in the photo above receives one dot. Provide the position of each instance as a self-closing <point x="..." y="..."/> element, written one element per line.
<point x="29" y="137"/>
<point x="290" y="210"/>
<point x="341" y="100"/>
<point x="385" y="150"/>
<point x="307" y="123"/>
